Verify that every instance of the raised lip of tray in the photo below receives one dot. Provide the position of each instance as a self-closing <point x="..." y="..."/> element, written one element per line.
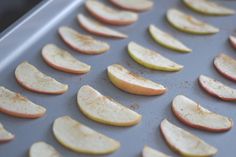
<point x="22" y="18"/>
<point x="31" y="27"/>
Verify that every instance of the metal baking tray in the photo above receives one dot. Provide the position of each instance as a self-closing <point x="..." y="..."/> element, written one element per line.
<point x="25" y="40"/>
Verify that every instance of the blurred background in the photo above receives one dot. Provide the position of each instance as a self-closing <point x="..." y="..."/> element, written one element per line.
<point x="12" y="10"/>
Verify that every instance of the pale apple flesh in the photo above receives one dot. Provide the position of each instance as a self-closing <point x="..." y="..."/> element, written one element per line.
<point x="167" y="40"/>
<point x="42" y="149"/>
<point x="5" y="135"/>
<point x="232" y="40"/>
<point x="150" y="152"/>
<point x="133" y="83"/>
<point x="225" y="65"/>
<point x="189" y="24"/>
<point x="185" y="143"/>
<point x="16" y="105"/>
<point x="217" y="89"/>
<point x="196" y="116"/>
<point x="134" y="5"/>
<point x="34" y="80"/>
<point x="98" y="28"/>
<point x="208" y="7"/>
<point x="110" y="15"/>
<point x="105" y="110"/>
<point x="151" y="59"/>
<point x="62" y="60"/>
<point x="82" y="43"/>
<point x="82" y="139"/>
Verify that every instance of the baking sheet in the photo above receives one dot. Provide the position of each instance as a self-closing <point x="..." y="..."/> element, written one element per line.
<point x="25" y="40"/>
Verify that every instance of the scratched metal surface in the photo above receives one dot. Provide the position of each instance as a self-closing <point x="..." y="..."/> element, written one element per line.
<point x="25" y="40"/>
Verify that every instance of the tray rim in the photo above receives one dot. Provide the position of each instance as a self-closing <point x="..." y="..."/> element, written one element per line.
<point x="29" y="21"/>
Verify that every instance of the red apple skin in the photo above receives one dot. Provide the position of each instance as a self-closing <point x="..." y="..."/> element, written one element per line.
<point x="20" y="115"/>
<point x="188" y="123"/>
<point x="99" y="33"/>
<point x="224" y="74"/>
<point x="111" y="22"/>
<point x="38" y="91"/>
<point x="7" y="140"/>
<point x="214" y="94"/>
<point x="130" y="8"/>
<point x="62" y="68"/>
<point x="232" y="40"/>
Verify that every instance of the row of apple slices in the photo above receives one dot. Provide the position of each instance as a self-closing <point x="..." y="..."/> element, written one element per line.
<point x="177" y="18"/>
<point x="113" y="16"/>
<point x="117" y="17"/>
<point x="62" y="60"/>
<point x="187" y="111"/>
<point x="31" y="78"/>
<point x="145" y="57"/>
<point x="126" y="80"/>
<point x="66" y="129"/>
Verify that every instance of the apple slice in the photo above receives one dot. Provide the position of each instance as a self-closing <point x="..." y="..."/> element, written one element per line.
<point x="226" y="66"/>
<point x="32" y="79"/>
<point x="208" y="7"/>
<point x="5" y="135"/>
<point x="82" y="43"/>
<point x="149" y="152"/>
<point x="217" y="89"/>
<point x="232" y="40"/>
<point x="98" y="28"/>
<point x="185" y="143"/>
<point x="105" y="110"/>
<point x="110" y="15"/>
<point x="167" y="40"/>
<point x="63" y="60"/>
<point x="133" y="83"/>
<point x="16" y="105"/>
<point x="133" y="5"/>
<point x="82" y="139"/>
<point x="42" y="149"/>
<point x="189" y="24"/>
<point x="196" y="116"/>
<point x="151" y="59"/>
